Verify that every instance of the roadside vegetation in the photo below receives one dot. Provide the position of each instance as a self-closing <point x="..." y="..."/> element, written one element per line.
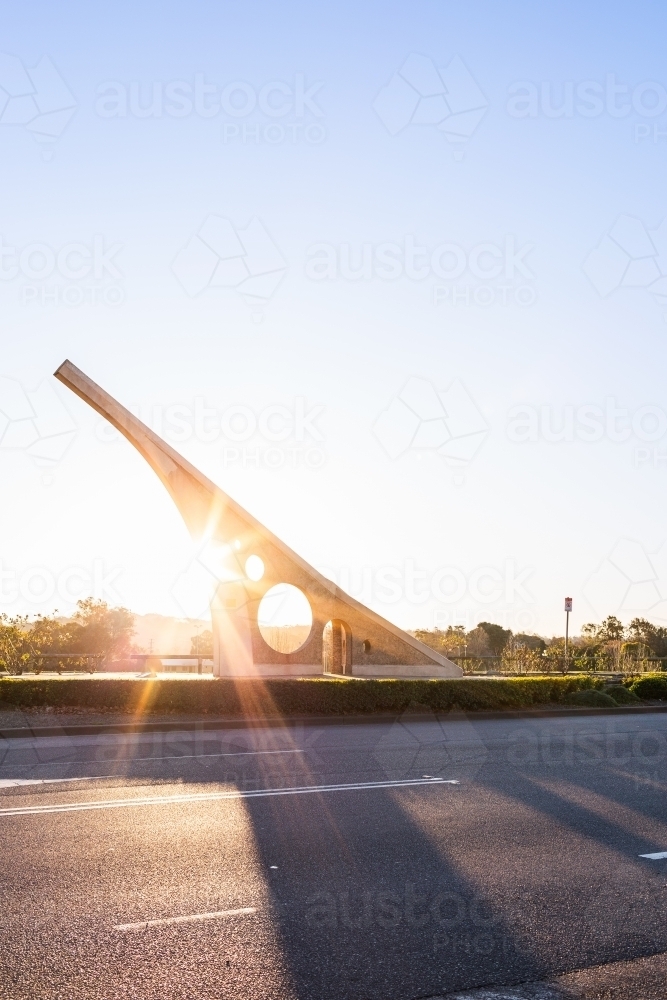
<point x="608" y="665"/>
<point x="202" y="644"/>
<point x="323" y="696"/>
<point x="95" y="628"/>
<point x="609" y="647"/>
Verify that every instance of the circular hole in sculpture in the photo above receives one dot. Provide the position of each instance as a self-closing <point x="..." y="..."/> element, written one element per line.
<point x="284" y="618"/>
<point x="254" y="568"/>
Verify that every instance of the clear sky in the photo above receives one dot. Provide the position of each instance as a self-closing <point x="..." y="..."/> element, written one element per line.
<point x="391" y="274"/>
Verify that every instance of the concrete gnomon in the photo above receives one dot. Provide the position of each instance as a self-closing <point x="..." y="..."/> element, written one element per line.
<point x="255" y="568"/>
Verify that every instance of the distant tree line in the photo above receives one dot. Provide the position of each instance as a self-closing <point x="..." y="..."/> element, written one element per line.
<point x="97" y="628"/>
<point x="93" y="628"/>
<point x="607" y="646"/>
<point x="202" y="644"/>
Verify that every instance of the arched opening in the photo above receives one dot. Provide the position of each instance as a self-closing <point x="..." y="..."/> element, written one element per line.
<point x="337" y="647"/>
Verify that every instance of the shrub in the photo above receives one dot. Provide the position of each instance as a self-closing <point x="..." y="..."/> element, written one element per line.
<point x="653" y="686"/>
<point x="275" y="698"/>
<point x="519" y="658"/>
<point x="591" y="699"/>
<point x="621" y="695"/>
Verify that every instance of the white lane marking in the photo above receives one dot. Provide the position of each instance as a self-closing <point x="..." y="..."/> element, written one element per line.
<point x="14" y="782"/>
<point x="654" y="857"/>
<point x="142" y="925"/>
<point x="132" y="760"/>
<point x="163" y="737"/>
<point x="193" y="756"/>
<point x="157" y="800"/>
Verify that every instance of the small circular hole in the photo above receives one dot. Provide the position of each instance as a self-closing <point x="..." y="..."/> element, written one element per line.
<point x="254" y="568"/>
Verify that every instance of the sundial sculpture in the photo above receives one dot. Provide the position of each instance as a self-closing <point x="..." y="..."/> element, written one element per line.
<point x="345" y="637"/>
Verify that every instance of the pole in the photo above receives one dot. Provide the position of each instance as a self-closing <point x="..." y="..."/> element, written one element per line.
<point x="568" y="608"/>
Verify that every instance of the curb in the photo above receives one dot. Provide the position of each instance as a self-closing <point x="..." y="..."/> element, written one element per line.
<point x="123" y="728"/>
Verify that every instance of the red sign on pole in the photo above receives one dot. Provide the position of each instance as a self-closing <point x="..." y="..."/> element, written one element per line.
<point x="568" y="603"/>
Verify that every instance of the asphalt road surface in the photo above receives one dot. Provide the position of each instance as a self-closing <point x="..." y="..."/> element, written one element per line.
<point x="418" y="859"/>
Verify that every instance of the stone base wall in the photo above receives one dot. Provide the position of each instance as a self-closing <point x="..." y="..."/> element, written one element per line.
<point x="405" y="670"/>
<point x="278" y="670"/>
<point x="378" y="670"/>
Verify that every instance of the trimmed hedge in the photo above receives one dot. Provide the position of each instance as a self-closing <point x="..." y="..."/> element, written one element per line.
<point x="652" y="686"/>
<point x="622" y="695"/>
<point x="591" y="699"/>
<point x="316" y="696"/>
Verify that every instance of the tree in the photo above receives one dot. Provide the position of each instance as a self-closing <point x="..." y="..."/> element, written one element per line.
<point x="518" y="658"/>
<point x="97" y="628"/>
<point x="17" y="647"/>
<point x="641" y="630"/>
<point x="636" y="652"/>
<point x="202" y="644"/>
<point x="534" y="642"/>
<point x="496" y="635"/>
<point x="591" y="657"/>
<point x="554" y="655"/>
<point x="653" y="636"/>
<point x="611" y="629"/>
<point x="51" y="635"/>
<point x="478" y="643"/>
<point x="454" y="639"/>
<point x="451" y="641"/>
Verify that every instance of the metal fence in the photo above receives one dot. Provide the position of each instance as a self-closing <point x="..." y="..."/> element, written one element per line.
<point x="91" y="663"/>
<point x="499" y="666"/>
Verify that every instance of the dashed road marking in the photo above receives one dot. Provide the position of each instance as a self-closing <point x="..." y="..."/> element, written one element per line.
<point x="655" y="857"/>
<point x="142" y="925"/>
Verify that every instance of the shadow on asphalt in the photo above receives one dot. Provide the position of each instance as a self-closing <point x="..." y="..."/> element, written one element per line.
<point x="366" y="905"/>
<point x="618" y="913"/>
